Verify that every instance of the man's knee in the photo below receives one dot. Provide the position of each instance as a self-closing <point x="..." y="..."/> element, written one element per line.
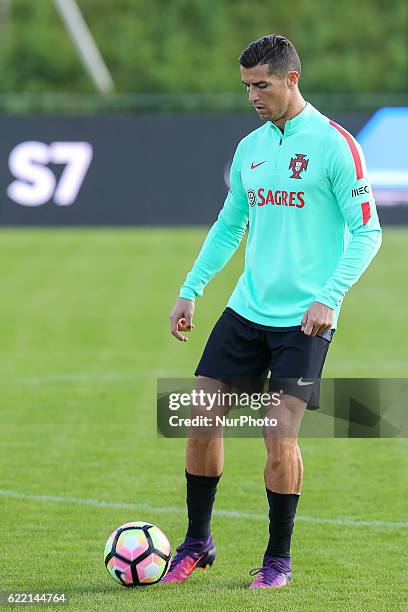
<point x="280" y="452"/>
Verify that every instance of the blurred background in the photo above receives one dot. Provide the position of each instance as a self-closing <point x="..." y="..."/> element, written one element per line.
<point x="118" y="121"/>
<point x="99" y="99"/>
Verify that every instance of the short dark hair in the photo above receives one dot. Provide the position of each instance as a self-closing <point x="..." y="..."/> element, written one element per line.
<point x="275" y="50"/>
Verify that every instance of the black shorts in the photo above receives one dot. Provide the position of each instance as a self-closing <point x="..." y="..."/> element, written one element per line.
<point x="242" y="354"/>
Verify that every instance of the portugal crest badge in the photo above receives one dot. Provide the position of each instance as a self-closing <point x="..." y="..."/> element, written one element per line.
<point x="297" y="165"/>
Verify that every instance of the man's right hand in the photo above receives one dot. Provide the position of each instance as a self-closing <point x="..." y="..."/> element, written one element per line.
<point x="181" y="318"/>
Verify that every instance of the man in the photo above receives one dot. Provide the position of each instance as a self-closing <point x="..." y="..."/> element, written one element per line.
<point x="300" y="183"/>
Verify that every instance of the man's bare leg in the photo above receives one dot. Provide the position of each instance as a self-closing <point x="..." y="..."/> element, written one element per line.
<point x="284" y="465"/>
<point x="205" y="454"/>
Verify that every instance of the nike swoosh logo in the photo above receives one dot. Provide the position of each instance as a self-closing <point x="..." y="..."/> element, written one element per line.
<point x="256" y="165"/>
<point x="301" y="383"/>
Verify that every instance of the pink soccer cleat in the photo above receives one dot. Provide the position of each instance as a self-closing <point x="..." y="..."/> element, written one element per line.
<point x="274" y="574"/>
<point x="193" y="553"/>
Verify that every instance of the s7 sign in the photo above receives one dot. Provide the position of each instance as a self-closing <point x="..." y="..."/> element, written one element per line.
<point x="36" y="183"/>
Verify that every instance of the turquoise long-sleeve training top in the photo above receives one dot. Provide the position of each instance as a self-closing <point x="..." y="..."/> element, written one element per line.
<point x="312" y="222"/>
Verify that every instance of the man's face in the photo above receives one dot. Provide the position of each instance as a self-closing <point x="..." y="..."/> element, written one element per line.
<point x="269" y="93"/>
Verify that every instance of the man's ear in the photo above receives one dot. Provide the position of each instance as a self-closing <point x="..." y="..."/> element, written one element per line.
<point x="292" y="78"/>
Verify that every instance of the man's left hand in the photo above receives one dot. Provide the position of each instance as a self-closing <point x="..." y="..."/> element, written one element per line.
<point x="318" y="318"/>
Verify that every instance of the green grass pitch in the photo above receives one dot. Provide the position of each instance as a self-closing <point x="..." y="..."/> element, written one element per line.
<point x="84" y="335"/>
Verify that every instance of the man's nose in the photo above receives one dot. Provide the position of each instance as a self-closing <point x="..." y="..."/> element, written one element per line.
<point x="253" y="94"/>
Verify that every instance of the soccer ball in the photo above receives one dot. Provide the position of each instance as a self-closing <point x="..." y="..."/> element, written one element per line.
<point x="137" y="554"/>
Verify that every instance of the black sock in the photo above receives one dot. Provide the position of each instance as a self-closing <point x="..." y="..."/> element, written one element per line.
<point x="282" y="511"/>
<point x="200" y="500"/>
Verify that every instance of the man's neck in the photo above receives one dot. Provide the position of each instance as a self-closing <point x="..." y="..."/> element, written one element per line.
<point x="293" y="110"/>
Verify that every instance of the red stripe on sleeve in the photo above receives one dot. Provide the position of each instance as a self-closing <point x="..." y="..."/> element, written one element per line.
<point x="354" y="151"/>
<point x="365" y="209"/>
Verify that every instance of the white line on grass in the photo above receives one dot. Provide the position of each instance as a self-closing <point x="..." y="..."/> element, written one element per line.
<point x="80" y="501"/>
